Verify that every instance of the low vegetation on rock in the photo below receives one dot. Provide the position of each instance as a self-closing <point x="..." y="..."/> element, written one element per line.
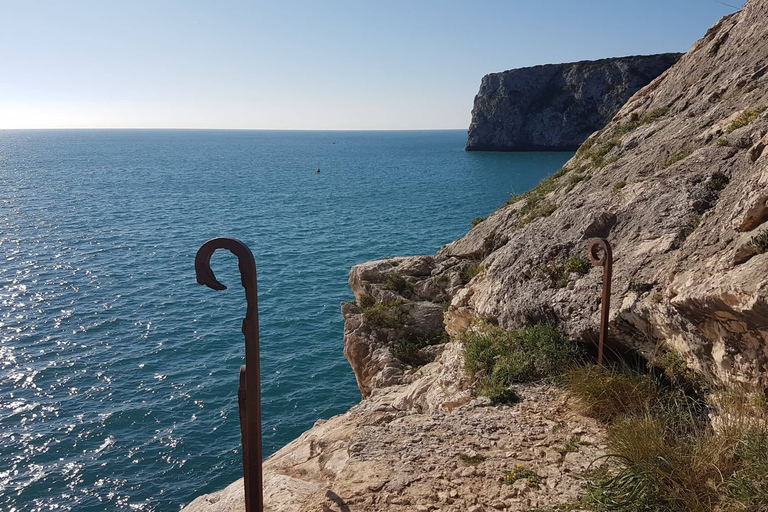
<point x="760" y="242"/>
<point x="664" y="452"/>
<point x="384" y="314"/>
<point x="746" y="117"/>
<point x="502" y="358"/>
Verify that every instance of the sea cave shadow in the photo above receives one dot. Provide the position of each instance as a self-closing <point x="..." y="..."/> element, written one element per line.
<point x="338" y="500"/>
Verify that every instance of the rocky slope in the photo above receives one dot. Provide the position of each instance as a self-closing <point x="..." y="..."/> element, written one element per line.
<point x="556" y="106"/>
<point x="388" y="454"/>
<point x="677" y="182"/>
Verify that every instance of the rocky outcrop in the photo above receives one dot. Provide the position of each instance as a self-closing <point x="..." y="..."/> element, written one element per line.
<point x="676" y="182"/>
<point x="556" y="106"/>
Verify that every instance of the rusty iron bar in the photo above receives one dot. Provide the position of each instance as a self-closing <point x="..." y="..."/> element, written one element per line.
<point x="249" y="388"/>
<point x="601" y="255"/>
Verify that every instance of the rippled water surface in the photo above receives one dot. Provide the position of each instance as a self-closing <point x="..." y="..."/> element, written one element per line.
<point x="118" y="373"/>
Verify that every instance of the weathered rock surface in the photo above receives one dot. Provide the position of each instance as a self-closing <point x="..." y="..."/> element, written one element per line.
<point x="385" y="455"/>
<point x="677" y="182"/>
<point x="556" y="106"/>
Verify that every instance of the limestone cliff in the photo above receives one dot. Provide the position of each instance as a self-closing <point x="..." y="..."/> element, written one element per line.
<point x="556" y="106"/>
<point x="677" y="182"/>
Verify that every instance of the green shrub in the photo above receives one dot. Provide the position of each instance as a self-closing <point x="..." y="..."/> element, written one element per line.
<point x="386" y="314"/>
<point x="722" y="142"/>
<point x="397" y="283"/>
<point x="664" y="453"/>
<point x="510" y="357"/>
<point x="478" y="220"/>
<point x="498" y="393"/>
<point x="554" y="270"/>
<point x="618" y="186"/>
<point x="759" y="242"/>
<point x="746" y="117"/>
<point x="579" y="264"/>
<point x="598" y="153"/>
<point x="469" y="272"/>
<point x="367" y="301"/>
<point x="442" y="279"/>
<point x="717" y="182"/>
<point x="409" y="350"/>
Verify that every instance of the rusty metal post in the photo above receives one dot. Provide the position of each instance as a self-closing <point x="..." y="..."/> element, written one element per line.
<point x="604" y="260"/>
<point x="249" y="389"/>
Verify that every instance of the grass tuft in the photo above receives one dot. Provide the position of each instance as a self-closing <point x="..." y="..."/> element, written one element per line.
<point x="385" y="314"/>
<point x="397" y="283"/>
<point x="478" y="220"/>
<point x="665" y="453"/>
<point x="579" y="264"/>
<point x="618" y="186"/>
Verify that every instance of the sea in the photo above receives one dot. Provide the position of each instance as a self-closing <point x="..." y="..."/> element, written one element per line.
<point x="118" y="372"/>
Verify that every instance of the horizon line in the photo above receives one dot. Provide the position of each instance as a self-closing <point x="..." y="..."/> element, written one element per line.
<point x="248" y="129"/>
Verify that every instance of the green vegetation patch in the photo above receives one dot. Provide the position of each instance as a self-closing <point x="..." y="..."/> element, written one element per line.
<point x="386" y="314"/>
<point x="473" y="459"/>
<point x="640" y="288"/>
<point x="544" y="209"/>
<point x="597" y="153"/>
<point x="717" y="182"/>
<point x="579" y="264"/>
<point x="469" y="272"/>
<point x="478" y="220"/>
<point x="503" y="358"/>
<point x="759" y="242"/>
<point x="558" y="271"/>
<point x="397" y="283"/>
<point x="663" y="451"/>
<point x="722" y="142"/>
<point x="746" y="117"/>
<point x="618" y="186"/>
<point x="409" y="350"/>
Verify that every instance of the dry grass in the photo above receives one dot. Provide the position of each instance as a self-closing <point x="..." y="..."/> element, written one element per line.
<point x="667" y="456"/>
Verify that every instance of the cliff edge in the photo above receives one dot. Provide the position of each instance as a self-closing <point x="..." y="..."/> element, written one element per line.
<point x="677" y="182"/>
<point x="556" y="106"/>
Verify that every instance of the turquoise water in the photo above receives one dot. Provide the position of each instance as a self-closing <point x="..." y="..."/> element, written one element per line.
<point x="118" y="373"/>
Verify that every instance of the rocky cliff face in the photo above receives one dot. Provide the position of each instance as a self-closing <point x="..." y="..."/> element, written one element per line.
<point x="556" y="106"/>
<point x="677" y="182"/>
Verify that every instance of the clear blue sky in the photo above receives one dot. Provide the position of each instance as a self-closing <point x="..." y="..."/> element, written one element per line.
<point x="303" y="64"/>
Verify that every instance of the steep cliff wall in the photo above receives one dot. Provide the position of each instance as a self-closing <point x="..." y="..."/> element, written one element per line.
<point x="556" y="106"/>
<point x="677" y="182"/>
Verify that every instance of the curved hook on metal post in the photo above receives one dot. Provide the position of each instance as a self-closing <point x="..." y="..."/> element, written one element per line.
<point x="249" y="389"/>
<point x="601" y="255"/>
